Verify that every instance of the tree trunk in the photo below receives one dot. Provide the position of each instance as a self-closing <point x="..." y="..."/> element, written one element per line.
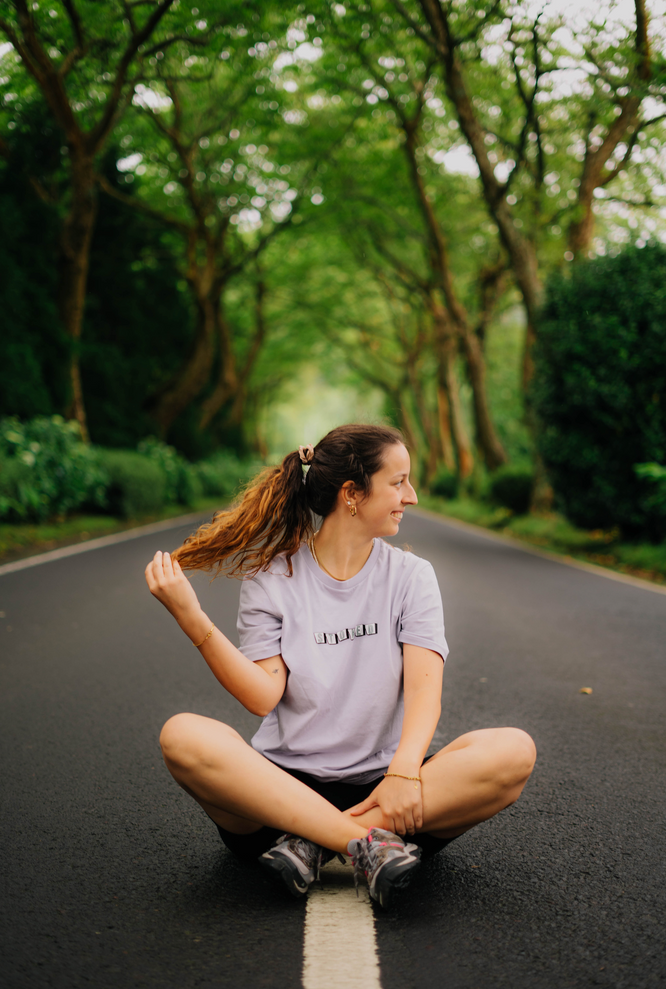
<point x="448" y="383"/>
<point x="457" y="319"/>
<point x="521" y="251"/>
<point x="206" y="285"/>
<point x="75" y="240"/>
<point x="488" y="440"/>
<point x="195" y="373"/>
<point x="625" y="125"/>
<point x="227" y="382"/>
<point x="444" y="421"/>
<point x="230" y="381"/>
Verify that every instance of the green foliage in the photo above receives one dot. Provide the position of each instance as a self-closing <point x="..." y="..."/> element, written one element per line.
<point x="511" y="486"/>
<point x="599" y="389"/>
<point x="33" y="349"/>
<point x="223" y="474"/>
<point x="46" y="469"/>
<point x="134" y="340"/>
<point x="656" y="499"/>
<point x="137" y="484"/>
<point x="445" y="483"/>
<point x="182" y="482"/>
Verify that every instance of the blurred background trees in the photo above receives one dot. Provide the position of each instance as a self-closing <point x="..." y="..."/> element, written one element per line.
<point x="232" y="226"/>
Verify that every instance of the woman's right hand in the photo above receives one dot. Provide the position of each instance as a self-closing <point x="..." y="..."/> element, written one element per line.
<point x="168" y="584"/>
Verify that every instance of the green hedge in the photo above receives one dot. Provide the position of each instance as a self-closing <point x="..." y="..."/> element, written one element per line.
<point x="511" y="486"/>
<point x="600" y="390"/>
<point x="136" y="484"/>
<point x="47" y="472"/>
<point x="45" y="469"/>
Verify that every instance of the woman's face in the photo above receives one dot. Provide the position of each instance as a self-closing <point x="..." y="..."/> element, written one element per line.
<point x="391" y="492"/>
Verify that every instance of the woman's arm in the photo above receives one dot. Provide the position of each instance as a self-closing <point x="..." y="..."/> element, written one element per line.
<point x="400" y="800"/>
<point x="258" y="686"/>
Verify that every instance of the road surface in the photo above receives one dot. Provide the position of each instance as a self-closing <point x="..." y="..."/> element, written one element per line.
<point x="113" y="878"/>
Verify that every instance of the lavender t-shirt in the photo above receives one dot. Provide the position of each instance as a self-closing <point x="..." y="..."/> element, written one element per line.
<point x="340" y="716"/>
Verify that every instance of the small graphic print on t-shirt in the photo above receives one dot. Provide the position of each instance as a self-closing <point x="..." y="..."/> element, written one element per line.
<point x="332" y="638"/>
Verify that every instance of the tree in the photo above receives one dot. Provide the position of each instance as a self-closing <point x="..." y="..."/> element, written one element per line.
<point x="458" y="38"/>
<point x="364" y="38"/>
<point x="86" y="59"/>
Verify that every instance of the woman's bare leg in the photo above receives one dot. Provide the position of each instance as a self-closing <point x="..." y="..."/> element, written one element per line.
<point x="470" y="780"/>
<point x="241" y="790"/>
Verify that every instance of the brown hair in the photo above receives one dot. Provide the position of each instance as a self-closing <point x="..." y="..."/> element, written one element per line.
<point x="274" y="513"/>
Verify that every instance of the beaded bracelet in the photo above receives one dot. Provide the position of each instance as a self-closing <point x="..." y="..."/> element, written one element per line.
<point x="405" y="778"/>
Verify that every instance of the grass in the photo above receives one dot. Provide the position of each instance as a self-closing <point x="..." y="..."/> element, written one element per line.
<point x="552" y="532"/>
<point x="22" y="540"/>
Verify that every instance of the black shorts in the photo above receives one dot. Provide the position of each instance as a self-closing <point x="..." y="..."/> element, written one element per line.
<point x="341" y="795"/>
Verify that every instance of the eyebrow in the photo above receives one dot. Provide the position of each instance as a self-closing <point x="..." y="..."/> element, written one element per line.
<point x="404" y="474"/>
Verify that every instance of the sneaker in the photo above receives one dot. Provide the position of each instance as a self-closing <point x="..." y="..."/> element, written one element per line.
<point x="387" y="862"/>
<point x="296" y="862"/>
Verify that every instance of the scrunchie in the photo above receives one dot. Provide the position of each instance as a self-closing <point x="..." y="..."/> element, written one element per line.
<point x="306" y="453"/>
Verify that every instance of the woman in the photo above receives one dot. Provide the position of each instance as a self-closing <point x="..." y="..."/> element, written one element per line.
<point x="342" y="651"/>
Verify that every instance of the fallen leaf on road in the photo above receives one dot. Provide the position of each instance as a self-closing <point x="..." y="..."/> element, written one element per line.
<point x="585" y="690"/>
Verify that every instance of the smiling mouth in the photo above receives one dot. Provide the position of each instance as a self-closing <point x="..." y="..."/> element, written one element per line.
<point x="397" y="516"/>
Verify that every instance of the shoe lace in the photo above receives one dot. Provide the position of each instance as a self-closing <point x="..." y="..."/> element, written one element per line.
<point x="314" y="856"/>
<point x="371" y="852"/>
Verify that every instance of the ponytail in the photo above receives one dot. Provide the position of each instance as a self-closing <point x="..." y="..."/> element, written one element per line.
<point x="275" y="512"/>
<point x="271" y="518"/>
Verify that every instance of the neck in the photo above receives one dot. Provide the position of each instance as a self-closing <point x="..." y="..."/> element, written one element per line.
<point x="342" y="545"/>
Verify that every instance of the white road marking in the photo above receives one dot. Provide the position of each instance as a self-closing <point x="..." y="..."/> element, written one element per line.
<point x="340" y="949"/>
<point x="116" y="537"/>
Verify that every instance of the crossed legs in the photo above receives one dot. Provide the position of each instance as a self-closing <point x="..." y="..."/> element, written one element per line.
<point x="468" y="781"/>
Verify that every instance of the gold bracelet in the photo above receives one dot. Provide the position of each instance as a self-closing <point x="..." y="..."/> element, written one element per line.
<point x="205" y="637"/>
<point x="404" y="777"/>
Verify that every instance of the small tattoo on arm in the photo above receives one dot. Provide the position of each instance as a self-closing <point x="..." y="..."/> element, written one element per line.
<point x="275" y="671"/>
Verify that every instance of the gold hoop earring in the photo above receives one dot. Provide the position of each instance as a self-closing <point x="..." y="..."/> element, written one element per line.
<point x="352" y="509"/>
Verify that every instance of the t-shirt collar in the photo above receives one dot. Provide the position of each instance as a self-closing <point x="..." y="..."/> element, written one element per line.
<point x="331" y="582"/>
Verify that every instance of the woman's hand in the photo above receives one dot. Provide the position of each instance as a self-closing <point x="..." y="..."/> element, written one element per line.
<point x="400" y="802"/>
<point x="168" y="584"/>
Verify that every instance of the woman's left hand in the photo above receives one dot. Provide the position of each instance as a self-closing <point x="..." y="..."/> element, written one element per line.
<point x="401" y="804"/>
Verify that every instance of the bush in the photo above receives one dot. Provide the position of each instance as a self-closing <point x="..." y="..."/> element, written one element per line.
<point x="223" y="474"/>
<point x="47" y="469"/>
<point x="183" y="484"/>
<point x="511" y="487"/>
<point x="599" y="389"/>
<point x="445" y="484"/>
<point x="656" y="498"/>
<point x="137" y="485"/>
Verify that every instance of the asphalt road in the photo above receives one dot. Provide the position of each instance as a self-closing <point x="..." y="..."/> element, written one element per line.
<point x="114" y="878"/>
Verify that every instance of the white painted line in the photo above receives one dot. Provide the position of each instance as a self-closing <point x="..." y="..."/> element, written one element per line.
<point x="340" y="949"/>
<point x="564" y="560"/>
<point x="117" y="537"/>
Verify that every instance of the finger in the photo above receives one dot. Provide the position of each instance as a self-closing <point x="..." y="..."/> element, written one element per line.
<point x="148" y="572"/>
<point x="361" y="808"/>
<point x="168" y="565"/>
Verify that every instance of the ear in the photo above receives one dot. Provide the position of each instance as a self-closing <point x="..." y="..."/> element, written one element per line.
<point x="348" y="493"/>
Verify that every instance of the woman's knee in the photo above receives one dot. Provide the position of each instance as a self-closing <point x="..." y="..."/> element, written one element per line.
<point x="185" y="738"/>
<point x="516" y="753"/>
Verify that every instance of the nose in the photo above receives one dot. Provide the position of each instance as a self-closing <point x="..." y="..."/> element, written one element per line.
<point x="409" y="495"/>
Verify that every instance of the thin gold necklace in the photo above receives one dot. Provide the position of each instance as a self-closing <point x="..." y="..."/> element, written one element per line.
<point x="311" y="545"/>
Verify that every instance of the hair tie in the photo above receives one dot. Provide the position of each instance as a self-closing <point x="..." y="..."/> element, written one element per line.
<point x="306" y="453"/>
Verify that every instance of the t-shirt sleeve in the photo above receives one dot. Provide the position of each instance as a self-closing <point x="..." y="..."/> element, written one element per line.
<point x="259" y="622"/>
<point x="422" y="617"/>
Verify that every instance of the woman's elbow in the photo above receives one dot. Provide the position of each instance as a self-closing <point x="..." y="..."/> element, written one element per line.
<point x="261" y="706"/>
